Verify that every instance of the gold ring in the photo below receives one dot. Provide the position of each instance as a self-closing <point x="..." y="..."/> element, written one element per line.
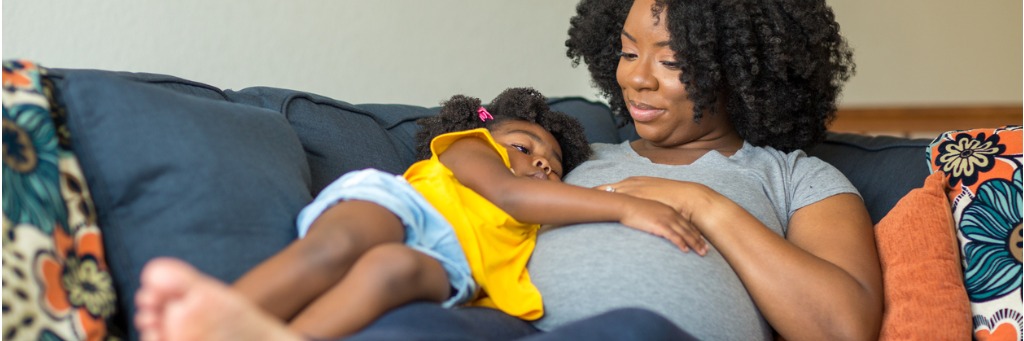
<point x="609" y="189"/>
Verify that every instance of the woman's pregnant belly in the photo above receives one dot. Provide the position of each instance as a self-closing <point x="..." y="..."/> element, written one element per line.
<point x="585" y="270"/>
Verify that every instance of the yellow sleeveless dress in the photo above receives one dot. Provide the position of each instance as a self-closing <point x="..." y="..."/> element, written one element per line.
<point x="497" y="246"/>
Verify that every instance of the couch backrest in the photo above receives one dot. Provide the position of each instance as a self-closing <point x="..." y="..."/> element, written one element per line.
<point x="883" y="168"/>
<point x="169" y="82"/>
<point x="339" y="136"/>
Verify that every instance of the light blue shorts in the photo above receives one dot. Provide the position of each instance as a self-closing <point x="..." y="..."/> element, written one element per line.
<point x="426" y="230"/>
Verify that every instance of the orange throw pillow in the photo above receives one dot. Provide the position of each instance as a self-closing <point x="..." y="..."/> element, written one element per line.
<point x="925" y="298"/>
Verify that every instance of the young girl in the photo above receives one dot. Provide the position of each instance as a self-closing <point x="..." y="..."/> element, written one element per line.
<point x="458" y="227"/>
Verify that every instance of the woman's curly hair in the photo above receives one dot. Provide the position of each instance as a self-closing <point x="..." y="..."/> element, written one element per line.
<point x="777" y="65"/>
<point x="523" y="104"/>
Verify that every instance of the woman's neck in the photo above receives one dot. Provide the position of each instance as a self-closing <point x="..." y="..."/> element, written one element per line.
<point x="688" y="152"/>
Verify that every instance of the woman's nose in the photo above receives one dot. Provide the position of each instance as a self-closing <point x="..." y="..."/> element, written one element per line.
<point x="543" y="164"/>
<point x="638" y="76"/>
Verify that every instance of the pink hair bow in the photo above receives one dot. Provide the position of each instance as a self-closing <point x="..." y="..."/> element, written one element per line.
<point x="484" y="115"/>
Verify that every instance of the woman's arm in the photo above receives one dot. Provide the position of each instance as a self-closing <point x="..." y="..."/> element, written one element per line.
<point x="821" y="282"/>
<point x="477" y="166"/>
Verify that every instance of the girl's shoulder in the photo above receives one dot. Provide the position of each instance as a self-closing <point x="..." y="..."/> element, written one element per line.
<point x="440" y="143"/>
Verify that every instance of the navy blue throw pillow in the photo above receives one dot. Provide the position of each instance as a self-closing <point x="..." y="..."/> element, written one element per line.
<point x="215" y="183"/>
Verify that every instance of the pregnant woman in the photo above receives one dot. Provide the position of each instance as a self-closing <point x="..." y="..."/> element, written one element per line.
<point x="723" y="94"/>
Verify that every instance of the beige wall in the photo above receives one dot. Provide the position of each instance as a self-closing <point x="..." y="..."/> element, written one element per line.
<point x="909" y="52"/>
<point x="933" y="52"/>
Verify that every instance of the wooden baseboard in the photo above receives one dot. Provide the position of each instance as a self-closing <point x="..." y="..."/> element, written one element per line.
<point x="923" y="121"/>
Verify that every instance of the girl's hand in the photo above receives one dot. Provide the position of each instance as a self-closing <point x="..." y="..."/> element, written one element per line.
<point x="663" y="221"/>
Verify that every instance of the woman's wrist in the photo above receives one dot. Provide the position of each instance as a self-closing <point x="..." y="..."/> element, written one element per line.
<point x="709" y="209"/>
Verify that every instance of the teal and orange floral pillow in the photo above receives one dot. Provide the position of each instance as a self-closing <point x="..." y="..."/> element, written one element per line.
<point x="56" y="284"/>
<point x="983" y="170"/>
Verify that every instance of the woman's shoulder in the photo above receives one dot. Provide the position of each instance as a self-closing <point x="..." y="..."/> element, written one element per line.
<point x="793" y="158"/>
<point x="795" y="164"/>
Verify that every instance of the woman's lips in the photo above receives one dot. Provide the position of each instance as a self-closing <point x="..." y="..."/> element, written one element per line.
<point x="642" y="112"/>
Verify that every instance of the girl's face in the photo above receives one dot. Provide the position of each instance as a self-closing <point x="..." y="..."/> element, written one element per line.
<point x="532" y="150"/>
<point x="648" y="75"/>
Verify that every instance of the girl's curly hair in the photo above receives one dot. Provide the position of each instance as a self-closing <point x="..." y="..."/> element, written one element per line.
<point x="523" y="104"/>
<point x="777" y="65"/>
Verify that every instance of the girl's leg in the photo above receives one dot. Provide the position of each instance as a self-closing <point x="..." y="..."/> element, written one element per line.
<point x="177" y="303"/>
<point x="285" y="283"/>
<point x="385" y="277"/>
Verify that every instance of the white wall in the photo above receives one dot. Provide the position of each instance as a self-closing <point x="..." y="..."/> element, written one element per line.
<point x="909" y="52"/>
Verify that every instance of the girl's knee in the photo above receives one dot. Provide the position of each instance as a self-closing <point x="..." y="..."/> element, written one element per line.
<point x="396" y="261"/>
<point x="398" y="267"/>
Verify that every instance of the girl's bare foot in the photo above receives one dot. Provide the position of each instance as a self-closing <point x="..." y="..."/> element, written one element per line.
<point x="177" y="302"/>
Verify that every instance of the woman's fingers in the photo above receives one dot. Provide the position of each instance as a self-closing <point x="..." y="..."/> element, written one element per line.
<point x="666" y="221"/>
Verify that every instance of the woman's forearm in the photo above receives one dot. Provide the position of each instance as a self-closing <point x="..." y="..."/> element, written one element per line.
<point x="825" y="285"/>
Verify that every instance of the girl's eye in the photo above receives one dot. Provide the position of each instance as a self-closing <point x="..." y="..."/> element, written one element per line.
<point x="522" y="149"/>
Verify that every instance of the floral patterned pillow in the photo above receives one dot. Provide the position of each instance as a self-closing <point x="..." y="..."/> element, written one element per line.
<point x="56" y="284"/>
<point x="983" y="169"/>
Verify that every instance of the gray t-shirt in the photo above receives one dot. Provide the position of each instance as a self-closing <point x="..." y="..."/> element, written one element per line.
<point x="584" y="270"/>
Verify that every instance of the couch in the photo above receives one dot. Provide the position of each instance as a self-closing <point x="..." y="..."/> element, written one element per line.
<point x="152" y="165"/>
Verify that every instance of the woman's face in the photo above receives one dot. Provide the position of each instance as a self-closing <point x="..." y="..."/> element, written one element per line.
<point x="648" y="74"/>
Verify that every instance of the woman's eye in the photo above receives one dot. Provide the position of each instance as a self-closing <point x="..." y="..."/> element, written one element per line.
<point x="672" y="65"/>
<point x="522" y="149"/>
<point x="627" y="55"/>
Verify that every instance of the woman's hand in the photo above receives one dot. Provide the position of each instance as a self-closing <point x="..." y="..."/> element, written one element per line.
<point x="685" y="197"/>
<point x="663" y="221"/>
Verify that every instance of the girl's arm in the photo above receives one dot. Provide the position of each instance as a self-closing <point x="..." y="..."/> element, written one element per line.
<point x="821" y="282"/>
<point x="477" y="166"/>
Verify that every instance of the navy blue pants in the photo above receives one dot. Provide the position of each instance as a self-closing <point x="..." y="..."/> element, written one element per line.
<point x="429" y="321"/>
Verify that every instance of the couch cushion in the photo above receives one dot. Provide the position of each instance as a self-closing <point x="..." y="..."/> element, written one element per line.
<point x="925" y="297"/>
<point x="983" y="167"/>
<point x="883" y="168"/>
<point x="214" y="183"/>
